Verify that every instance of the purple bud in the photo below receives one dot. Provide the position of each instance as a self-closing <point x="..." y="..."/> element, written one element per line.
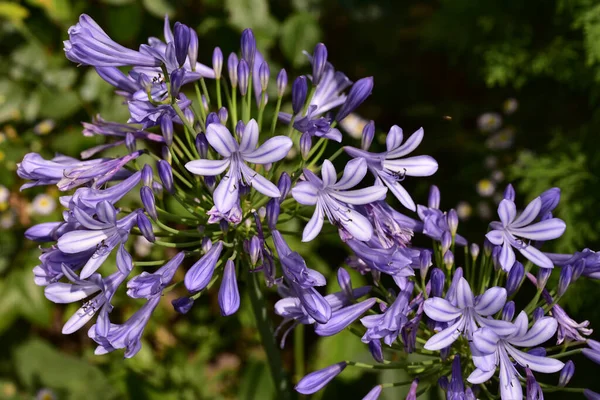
<point x="166" y="126"/>
<point x="299" y="90"/>
<point x="437" y="282"/>
<point x="273" y="209"/>
<point x="343" y="278"/>
<point x="537" y="314"/>
<point x="358" y="93"/>
<point x="147" y="197"/>
<point x="217" y="62"/>
<point x="166" y="154"/>
<point x="204" y="104"/>
<point x="318" y="62"/>
<point x="202" y="145"/>
<point x="534" y="391"/>
<point x="145" y="82"/>
<point x="182" y="305"/>
<point x="509" y="192"/>
<point x="206" y="245"/>
<point x="317" y="380"/>
<point x="145" y="227"/>
<point x="284" y="185"/>
<point x="488" y="247"/>
<point x="239" y="129"/>
<point x="212" y="118"/>
<point x="282" y="81"/>
<point x="424" y="262"/>
<point x="229" y="295"/>
<point x="341" y="318"/>
<point x="193" y="49"/>
<point x="412" y="393"/>
<point x="457" y="386"/>
<point x="189" y="114"/>
<point x="508" y="312"/>
<point x="232" y="67"/>
<point x="243" y="72"/>
<point x="495" y="257"/>
<point x="515" y="276"/>
<point x="446" y="241"/>
<point x="542" y="277"/>
<point x="200" y="274"/>
<point x="130" y="142"/>
<point x="564" y="280"/>
<point x="537" y="351"/>
<point x="550" y="199"/>
<point x="147" y="175"/>
<point x="373" y="393"/>
<point x="590" y="395"/>
<point x="448" y="259"/>
<point x="223" y="115"/>
<point x="181" y="34"/>
<point x="263" y="75"/>
<point x="443" y="383"/>
<point x="157" y="188"/>
<point x="452" y="218"/>
<point x="368" y="133"/>
<point x="248" y="44"/>
<point x="254" y="250"/>
<point x="166" y="175"/>
<point x="376" y="350"/>
<point x="305" y="145"/>
<point x="176" y="81"/>
<point x="434" y="197"/>
<point x="474" y="251"/>
<point x="566" y="373"/>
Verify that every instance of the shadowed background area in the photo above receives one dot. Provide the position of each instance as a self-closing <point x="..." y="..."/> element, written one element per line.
<point x="506" y="90"/>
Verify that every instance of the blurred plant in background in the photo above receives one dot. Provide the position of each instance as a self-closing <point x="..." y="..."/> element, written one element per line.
<point x="543" y="54"/>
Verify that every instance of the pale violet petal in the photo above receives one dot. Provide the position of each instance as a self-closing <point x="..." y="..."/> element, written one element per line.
<point x="446" y="337"/>
<point x="357" y="225"/>
<point x="536" y="257"/>
<point x="305" y="193"/>
<point x="501" y="327"/>
<point x="409" y="146"/>
<point x="401" y="194"/>
<point x="529" y="214"/>
<point x="354" y="172"/>
<point x="484" y="362"/>
<point x="545" y="365"/>
<point x="95" y="262"/>
<point x="313" y="227"/>
<point x="227" y="192"/>
<point x="412" y="166"/>
<point x="507" y="211"/>
<point x="510" y="387"/>
<point x="63" y="293"/>
<point x="394" y="138"/>
<point x="208" y="167"/>
<point x="249" y="137"/>
<point x="360" y="196"/>
<point x="221" y="140"/>
<point x="496" y="237"/>
<point x="486" y="340"/>
<point x="441" y="310"/>
<point x="479" y="376"/>
<point x="270" y="151"/>
<point x="541" y="331"/>
<point x="259" y="182"/>
<point x="521" y="322"/>
<point x="544" y="230"/>
<point x="464" y="295"/>
<point x="507" y="256"/>
<point x="328" y="173"/>
<point x="491" y="301"/>
<point x="79" y="241"/>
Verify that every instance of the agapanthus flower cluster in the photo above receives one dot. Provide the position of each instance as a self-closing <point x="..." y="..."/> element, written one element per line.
<point x="239" y="166"/>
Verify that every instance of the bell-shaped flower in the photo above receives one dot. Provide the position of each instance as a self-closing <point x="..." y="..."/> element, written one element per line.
<point x="499" y="347"/>
<point x="147" y="285"/>
<point x="511" y="231"/>
<point x="332" y="199"/>
<point x="235" y="159"/>
<point x="102" y="233"/>
<point x="390" y="169"/>
<point x="466" y="315"/>
<point x="317" y="380"/>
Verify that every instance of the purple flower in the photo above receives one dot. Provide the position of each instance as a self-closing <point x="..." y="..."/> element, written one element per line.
<point x="390" y="170"/>
<point x="373" y="393"/>
<point x="387" y="326"/>
<point x="359" y="92"/>
<point x="229" y="296"/>
<point x="498" y="348"/>
<point x="200" y="274"/>
<point x="89" y="44"/>
<point x="317" y="380"/>
<point x="332" y="198"/>
<point x="80" y="289"/>
<point x="466" y="315"/>
<point x="88" y="198"/>
<point x="342" y="318"/>
<point x="234" y="161"/>
<point x="590" y="258"/>
<point x="568" y="328"/>
<point x="148" y="285"/>
<point x="566" y="373"/>
<point x="52" y="261"/>
<point x="593" y="352"/>
<point x="456" y="389"/>
<point x="508" y="232"/>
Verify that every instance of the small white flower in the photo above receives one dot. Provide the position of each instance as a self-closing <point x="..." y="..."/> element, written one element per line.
<point x="43" y="204"/>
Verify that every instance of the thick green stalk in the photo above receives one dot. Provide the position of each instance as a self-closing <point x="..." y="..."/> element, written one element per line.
<point x="280" y="379"/>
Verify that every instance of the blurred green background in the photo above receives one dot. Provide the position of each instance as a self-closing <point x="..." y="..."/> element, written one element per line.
<point x="507" y="91"/>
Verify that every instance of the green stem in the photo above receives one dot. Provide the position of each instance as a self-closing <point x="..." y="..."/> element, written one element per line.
<point x="275" y="116"/>
<point x="219" y="102"/>
<point x="259" y="307"/>
<point x="298" y="352"/>
<point x="566" y="353"/>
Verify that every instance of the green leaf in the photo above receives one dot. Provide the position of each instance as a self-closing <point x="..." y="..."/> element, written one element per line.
<point x="14" y="12"/>
<point x="247" y="13"/>
<point x="38" y="363"/>
<point x="59" y="105"/>
<point x="343" y="346"/>
<point x="124" y="23"/>
<point x="299" y="32"/>
<point x="159" y="8"/>
<point x="256" y="383"/>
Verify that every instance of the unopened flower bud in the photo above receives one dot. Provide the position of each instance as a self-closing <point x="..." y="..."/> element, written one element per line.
<point x="232" y="68"/>
<point x="147" y="175"/>
<point x="564" y="280"/>
<point x="566" y="373"/>
<point x="248" y="44"/>
<point x="448" y="259"/>
<point x="368" y="133"/>
<point x="446" y="241"/>
<point x="193" y="49"/>
<point x="488" y="247"/>
<point x="508" y="312"/>
<point x="317" y="380"/>
<point x="452" y="218"/>
<point x="182" y="305"/>
<point x="130" y="142"/>
<point x="217" y="62"/>
<point x="206" y="245"/>
<point x="578" y="269"/>
<point x="542" y="277"/>
<point x="223" y="115"/>
<point x="147" y="197"/>
<point x="202" y="145"/>
<point x="181" y="35"/>
<point x="305" y="145"/>
<point x="434" y="197"/>
<point x="273" y="209"/>
<point x="509" y="192"/>
<point x="166" y="175"/>
<point x="343" y="278"/>
<point x="189" y="114"/>
<point x="319" y="61"/>
<point x="515" y="276"/>
<point x="166" y="126"/>
<point x="424" y="262"/>
<point x="166" y="154"/>
<point x="537" y="314"/>
<point x="264" y="73"/>
<point x="239" y="129"/>
<point x="282" y="81"/>
<point x="437" y="282"/>
<point x="212" y="118"/>
<point x="284" y="184"/>
<point x="474" y="250"/>
<point x="358" y="93"/>
<point x="376" y="350"/>
<point x="145" y="227"/>
<point x="299" y="91"/>
<point x="243" y="72"/>
<point x="550" y="199"/>
<point x="443" y="383"/>
<point x="254" y="250"/>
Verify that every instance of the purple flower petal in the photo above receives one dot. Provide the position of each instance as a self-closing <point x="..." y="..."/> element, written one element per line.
<point x="500" y="327"/>
<point x="536" y="363"/>
<point x="221" y="140"/>
<point x="354" y="172"/>
<point x="394" y="138"/>
<point x="360" y="196"/>
<point x="479" y="376"/>
<point x="541" y="331"/>
<point x="208" y="167"/>
<point x="544" y="230"/>
<point x="485" y="340"/>
<point x="357" y="225"/>
<point x="317" y="380"/>
<point x="507" y="256"/>
<point x="250" y="137"/>
<point x="441" y="310"/>
<point x="305" y="193"/>
<point x="342" y="318"/>
<point x="328" y="173"/>
<point x="529" y="214"/>
<point x="491" y="301"/>
<point x="401" y="194"/>
<point x="464" y="295"/>
<point x="413" y="166"/>
<point x="409" y="146"/>
<point x="270" y="151"/>
<point x="496" y="237"/>
<point x="507" y="211"/>
<point x="200" y="274"/>
<point x="227" y="193"/>
<point x="446" y="337"/>
<point x="229" y="296"/>
<point x="314" y="225"/>
<point x="536" y="257"/>
<point x="259" y="182"/>
<point x="78" y="241"/>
